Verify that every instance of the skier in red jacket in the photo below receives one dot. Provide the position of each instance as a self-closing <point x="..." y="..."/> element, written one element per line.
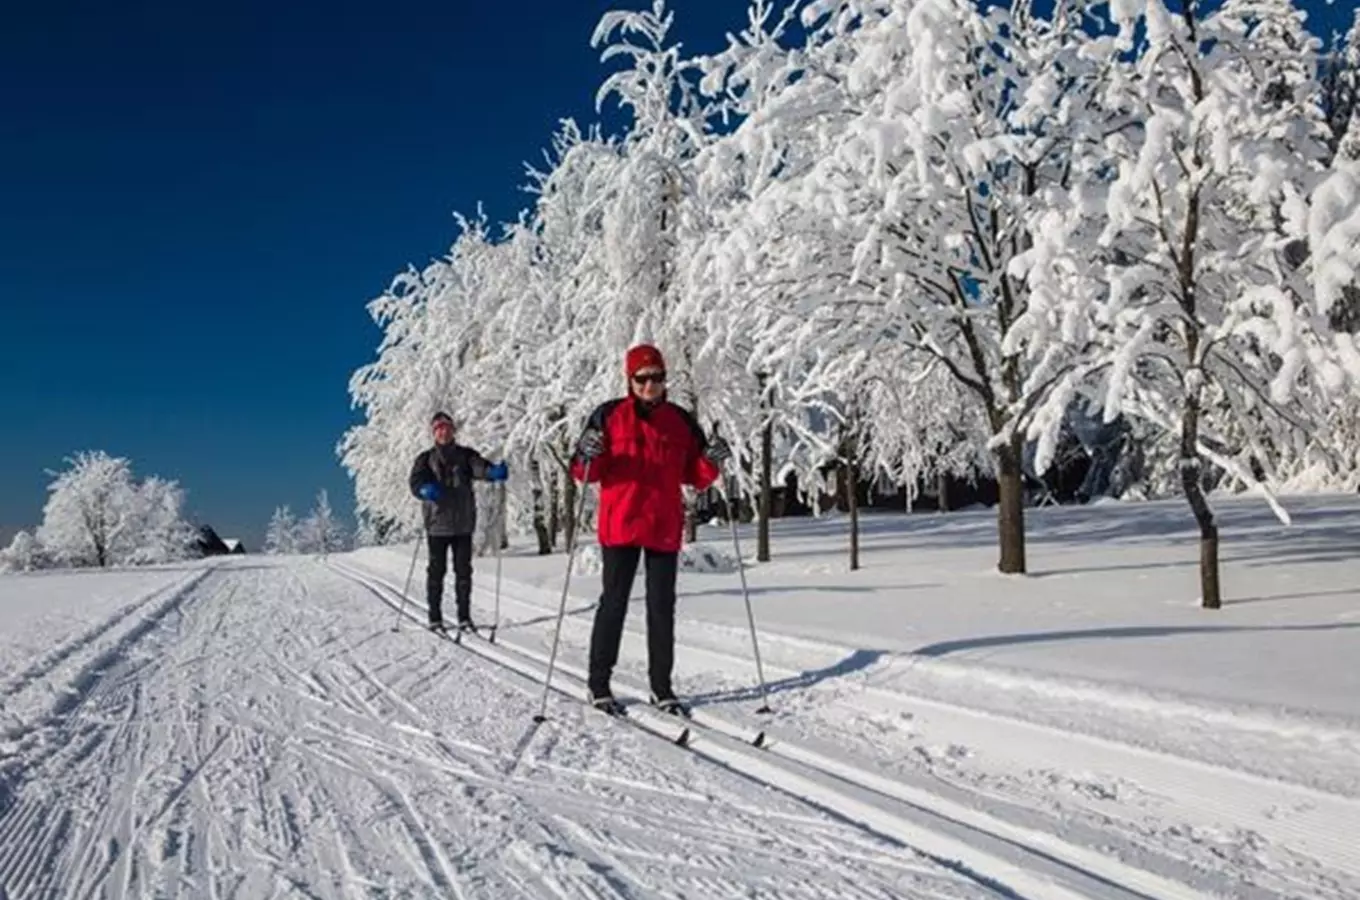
<point x="641" y="450"/>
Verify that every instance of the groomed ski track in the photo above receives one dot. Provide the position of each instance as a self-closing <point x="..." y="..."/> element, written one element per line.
<point x="253" y="728"/>
<point x="1008" y="860"/>
<point x="256" y="730"/>
<point x="1218" y="829"/>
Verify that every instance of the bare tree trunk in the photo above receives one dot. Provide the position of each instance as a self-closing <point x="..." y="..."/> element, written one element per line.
<point x="96" y="525"/>
<point x="540" y="514"/>
<point x="942" y="487"/>
<point x="1010" y="510"/>
<point x="852" y="479"/>
<point x="1191" y="470"/>
<point x="849" y="483"/>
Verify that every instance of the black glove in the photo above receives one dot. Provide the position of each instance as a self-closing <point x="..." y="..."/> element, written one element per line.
<point x="591" y="445"/>
<point x="718" y="450"/>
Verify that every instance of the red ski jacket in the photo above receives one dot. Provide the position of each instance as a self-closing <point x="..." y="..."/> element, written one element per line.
<point x="650" y="454"/>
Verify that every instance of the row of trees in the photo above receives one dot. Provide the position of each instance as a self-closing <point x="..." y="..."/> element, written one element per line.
<point x="905" y="238"/>
<point x="99" y="514"/>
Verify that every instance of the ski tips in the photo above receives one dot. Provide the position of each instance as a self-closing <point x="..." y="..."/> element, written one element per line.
<point x="683" y="739"/>
<point x="759" y="740"/>
<point x="539" y="719"/>
<point x="765" y="710"/>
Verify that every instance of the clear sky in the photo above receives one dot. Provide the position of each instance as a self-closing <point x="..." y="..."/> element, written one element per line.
<point x="197" y="200"/>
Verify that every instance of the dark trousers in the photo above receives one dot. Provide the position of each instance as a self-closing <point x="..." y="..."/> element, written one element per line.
<point x="620" y="567"/>
<point x="441" y="547"/>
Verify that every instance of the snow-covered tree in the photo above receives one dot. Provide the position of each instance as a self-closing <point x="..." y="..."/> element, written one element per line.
<point x="926" y="225"/>
<point x="321" y="532"/>
<point x="24" y="554"/>
<point x="646" y="209"/>
<point x="367" y="534"/>
<point x="281" y="537"/>
<point x="1341" y="93"/>
<point x="432" y="321"/>
<point x="1191" y="304"/>
<point x="936" y="129"/>
<point x="1334" y="255"/>
<point x="527" y="333"/>
<point x="97" y="514"/>
<point x="91" y="512"/>
<point x="163" y="535"/>
<point x="743" y="394"/>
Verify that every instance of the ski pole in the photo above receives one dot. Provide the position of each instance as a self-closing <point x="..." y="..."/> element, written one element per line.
<point x="566" y="585"/>
<point x="499" y="538"/>
<point x="406" y="591"/>
<point x="745" y="590"/>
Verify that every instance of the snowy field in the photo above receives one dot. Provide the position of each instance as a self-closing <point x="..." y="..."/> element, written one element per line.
<point x="255" y="728"/>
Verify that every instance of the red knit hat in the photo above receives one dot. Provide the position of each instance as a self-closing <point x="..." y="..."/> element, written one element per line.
<point x="643" y="356"/>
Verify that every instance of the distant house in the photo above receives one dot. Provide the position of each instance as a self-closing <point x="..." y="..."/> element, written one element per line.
<point x="209" y="544"/>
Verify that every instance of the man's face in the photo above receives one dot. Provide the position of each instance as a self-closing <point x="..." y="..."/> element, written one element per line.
<point x="649" y="384"/>
<point x="443" y="431"/>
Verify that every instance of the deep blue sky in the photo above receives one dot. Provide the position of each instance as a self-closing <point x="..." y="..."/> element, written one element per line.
<point x="197" y="201"/>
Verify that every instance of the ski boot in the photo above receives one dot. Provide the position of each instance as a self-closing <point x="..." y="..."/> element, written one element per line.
<point x="670" y="706"/>
<point x="608" y="705"/>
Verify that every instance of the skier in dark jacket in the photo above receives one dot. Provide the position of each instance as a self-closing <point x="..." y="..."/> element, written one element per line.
<point x="642" y="449"/>
<point x="442" y="477"/>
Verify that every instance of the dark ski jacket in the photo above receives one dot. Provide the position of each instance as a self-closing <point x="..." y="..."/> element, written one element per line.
<point x="453" y="467"/>
<point x="650" y="454"/>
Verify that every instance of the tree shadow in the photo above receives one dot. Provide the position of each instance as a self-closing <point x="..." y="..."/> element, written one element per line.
<point x="945" y="648"/>
<point x="1294" y="595"/>
<point x="1245" y="552"/>
<point x="812" y="588"/>
<point x="1118" y="567"/>
<point x="857" y="661"/>
<point x="1156" y="522"/>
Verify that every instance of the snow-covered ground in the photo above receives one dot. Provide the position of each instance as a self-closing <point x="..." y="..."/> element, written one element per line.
<point x="256" y="728"/>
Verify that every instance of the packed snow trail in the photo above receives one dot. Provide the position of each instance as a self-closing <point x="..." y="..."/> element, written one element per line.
<point x="1049" y="789"/>
<point x="263" y="733"/>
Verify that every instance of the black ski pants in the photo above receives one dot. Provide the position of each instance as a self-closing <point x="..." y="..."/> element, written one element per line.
<point x="620" y="568"/>
<point x="459" y="546"/>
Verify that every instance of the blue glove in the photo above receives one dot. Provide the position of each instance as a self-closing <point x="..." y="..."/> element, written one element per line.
<point x="429" y="491"/>
<point x="499" y="472"/>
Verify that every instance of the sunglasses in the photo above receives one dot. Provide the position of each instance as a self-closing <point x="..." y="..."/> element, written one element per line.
<point x="650" y="378"/>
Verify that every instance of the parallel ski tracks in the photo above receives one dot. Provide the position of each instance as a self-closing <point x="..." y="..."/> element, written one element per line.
<point x="1319" y="825"/>
<point x="1009" y="860"/>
